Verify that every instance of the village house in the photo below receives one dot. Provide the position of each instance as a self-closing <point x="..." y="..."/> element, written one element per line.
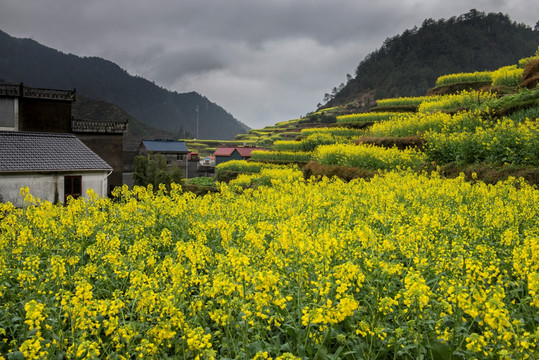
<point x="223" y="154"/>
<point x="24" y="108"/>
<point x="175" y="152"/>
<point x="52" y="165"/>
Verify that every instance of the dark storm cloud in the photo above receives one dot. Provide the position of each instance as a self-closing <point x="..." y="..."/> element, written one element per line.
<point x="263" y="61"/>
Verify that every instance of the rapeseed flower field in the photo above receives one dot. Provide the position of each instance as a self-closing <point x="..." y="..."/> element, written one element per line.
<point x="403" y="265"/>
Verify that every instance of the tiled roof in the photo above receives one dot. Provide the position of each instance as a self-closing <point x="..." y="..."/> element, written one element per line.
<point x="243" y="151"/>
<point x="30" y="151"/>
<point x="224" y="151"/>
<point x="165" y="146"/>
<point x="246" y="151"/>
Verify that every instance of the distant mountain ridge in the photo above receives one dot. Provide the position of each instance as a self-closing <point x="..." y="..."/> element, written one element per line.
<point x="409" y="64"/>
<point x="25" y="60"/>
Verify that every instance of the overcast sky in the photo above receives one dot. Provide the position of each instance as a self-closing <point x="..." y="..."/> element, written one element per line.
<point x="263" y="61"/>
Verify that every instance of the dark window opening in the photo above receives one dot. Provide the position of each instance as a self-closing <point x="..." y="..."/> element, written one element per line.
<point x="72" y="187"/>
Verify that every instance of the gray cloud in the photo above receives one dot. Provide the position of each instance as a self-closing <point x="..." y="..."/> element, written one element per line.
<point x="263" y="61"/>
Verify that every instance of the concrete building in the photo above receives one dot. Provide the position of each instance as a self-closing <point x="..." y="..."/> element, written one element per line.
<point x="24" y="108"/>
<point x="52" y="165"/>
<point x="105" y="138"/>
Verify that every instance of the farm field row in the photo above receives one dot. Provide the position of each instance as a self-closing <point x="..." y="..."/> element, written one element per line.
<point x="297" y="270"/>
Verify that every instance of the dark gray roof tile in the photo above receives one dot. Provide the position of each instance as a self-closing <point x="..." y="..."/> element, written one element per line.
<point x="169" y="146"/>
<point x="30" y="151"/>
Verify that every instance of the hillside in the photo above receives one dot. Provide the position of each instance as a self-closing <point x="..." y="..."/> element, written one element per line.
<point x="408" y="64"/>
<point x="489" y="134"/>
<point x="25" y="60"/>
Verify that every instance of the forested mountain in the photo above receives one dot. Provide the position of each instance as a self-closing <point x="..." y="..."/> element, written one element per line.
<point x="85" y="108"/>
<point x="409" y="64"/>
<point x="25" y="60"/>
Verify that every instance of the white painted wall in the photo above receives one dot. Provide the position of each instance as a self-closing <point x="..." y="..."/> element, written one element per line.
<point x="45" y="185"/>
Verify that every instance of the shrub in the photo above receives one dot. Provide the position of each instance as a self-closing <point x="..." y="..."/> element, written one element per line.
<point x="202" y="181"/>
<point x="153" y="170"/>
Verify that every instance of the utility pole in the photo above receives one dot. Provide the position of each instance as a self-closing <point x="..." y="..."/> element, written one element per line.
<point x="197" y="122"/>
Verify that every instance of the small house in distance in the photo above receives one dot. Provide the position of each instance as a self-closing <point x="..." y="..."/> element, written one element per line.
<point x="52" y="165"/>
<point x="175" y="152"/>
<point x="223" y="154"/>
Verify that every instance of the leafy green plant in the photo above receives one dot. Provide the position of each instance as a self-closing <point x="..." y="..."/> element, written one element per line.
<point x="153" y="170"/>
<point x="201" y="181"/>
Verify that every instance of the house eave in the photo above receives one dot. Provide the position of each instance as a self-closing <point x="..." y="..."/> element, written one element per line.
<point x="49" y="171"/>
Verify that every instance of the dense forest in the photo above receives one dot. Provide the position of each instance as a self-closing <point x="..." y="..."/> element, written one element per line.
<point x="408" y="64"/>
<point x="25" y="60"/>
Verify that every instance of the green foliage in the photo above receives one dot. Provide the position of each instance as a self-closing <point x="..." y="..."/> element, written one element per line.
<point x="201" y="181"/>
<point x="527" y="113"/>
<point x="409" y="64"/>
<point x="506" y="142"/>
<point x="524" y="98"/>
<point x="321" y="117"/>
<point x="154" y="170"/>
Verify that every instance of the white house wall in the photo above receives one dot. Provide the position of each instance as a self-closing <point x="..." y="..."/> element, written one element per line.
<point x="48" y="187"/>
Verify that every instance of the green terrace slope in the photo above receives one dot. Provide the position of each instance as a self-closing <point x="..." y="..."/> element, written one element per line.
<point x="493" y="133"/>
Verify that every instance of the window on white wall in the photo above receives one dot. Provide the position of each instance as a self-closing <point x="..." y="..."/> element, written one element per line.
<point x="72" y="187"/>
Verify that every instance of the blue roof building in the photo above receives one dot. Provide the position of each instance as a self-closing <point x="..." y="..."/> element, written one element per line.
<point x="175" y="152"/>
<point x="163" y="147"/>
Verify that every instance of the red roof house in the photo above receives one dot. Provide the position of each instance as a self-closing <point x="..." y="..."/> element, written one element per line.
<point x="223" y="154"/>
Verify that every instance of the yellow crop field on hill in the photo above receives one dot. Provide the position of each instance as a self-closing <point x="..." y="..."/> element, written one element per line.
<point x="400" y="266"/>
